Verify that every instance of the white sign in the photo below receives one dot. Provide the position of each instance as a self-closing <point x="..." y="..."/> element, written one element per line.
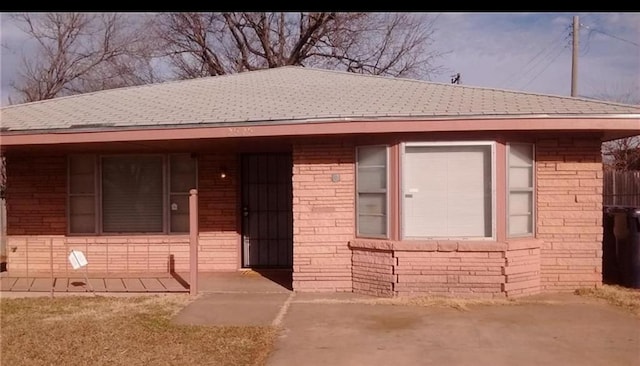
<point x="77" y="259"/>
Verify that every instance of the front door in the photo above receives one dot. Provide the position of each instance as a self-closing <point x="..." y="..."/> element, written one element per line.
<point x="267" y="217"/>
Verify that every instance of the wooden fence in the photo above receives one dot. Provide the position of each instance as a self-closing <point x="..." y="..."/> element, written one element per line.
<point x="621" y="188"/>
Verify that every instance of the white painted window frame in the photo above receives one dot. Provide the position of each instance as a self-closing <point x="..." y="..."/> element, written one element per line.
<point x="531" y="189"/>
<point x="386" y="193"/>
<point x="454" y="143"/>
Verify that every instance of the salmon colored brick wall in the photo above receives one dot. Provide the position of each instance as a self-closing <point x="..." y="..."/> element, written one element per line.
<point x="36" y="206"/>
<point x="323" y="217"/>
<point x="522" y="268"/>
<point x="446" y="268"/>
<point x="449" y="272"/>
<point x="373" y="272"/>
<point x="36" y="195"/>
<point x="42" y="254"/>
<point x="122" y="254"/>
<point x="219" y="239"/>
<point x="569" y="213"/>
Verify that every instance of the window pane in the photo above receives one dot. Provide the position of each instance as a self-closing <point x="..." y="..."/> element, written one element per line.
<point x="82" y="214"/>
<point x="372" y="179"/>
<point x="81" y="174"/>
<point x="183" y="173"/>
<point x="372" y="225"/>
<point x="447" y="191"/>
<point x="179" y="213"/>
<point x="520" y="203"/>
<point x="132" y="194"/>
<point x="520" y="177"/>
<point x="520" y="225"/>
<point x="372" y="190"/>
<point x="520" y="154"/>
<point x="372" y="156"/>
<point x="372" y="203"/>
<point x="82" y="205"/>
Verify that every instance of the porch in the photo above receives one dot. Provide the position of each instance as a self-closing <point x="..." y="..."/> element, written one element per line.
<point x="212" y="282"/>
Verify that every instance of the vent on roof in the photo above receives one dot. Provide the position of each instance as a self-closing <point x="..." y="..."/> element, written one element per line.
<point x="91" y="125"/>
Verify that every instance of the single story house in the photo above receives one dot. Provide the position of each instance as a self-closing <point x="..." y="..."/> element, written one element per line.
<point x="376" y="185"/>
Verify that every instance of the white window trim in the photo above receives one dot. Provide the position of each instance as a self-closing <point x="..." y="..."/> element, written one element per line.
<point x="387" y="195"/>
<point x="493" y="187"/>
<point x="532" y="190"/>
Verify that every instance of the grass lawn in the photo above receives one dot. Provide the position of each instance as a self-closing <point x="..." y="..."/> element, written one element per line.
<point x="623" y="297"/>
<point x="128" y="331"/>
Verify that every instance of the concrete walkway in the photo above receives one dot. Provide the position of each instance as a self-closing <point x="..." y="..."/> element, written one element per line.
<point x="239" y="298"/>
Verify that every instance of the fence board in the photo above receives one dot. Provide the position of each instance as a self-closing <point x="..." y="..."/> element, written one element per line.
<point x="621" y="188"/>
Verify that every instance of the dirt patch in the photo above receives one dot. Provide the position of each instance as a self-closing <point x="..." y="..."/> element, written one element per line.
<point x="392" y="322"/>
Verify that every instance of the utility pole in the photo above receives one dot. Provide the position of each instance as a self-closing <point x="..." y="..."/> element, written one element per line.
<point x="574" y="59"/>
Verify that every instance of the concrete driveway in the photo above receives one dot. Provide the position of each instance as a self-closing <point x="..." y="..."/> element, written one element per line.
<point x="569" y="331"/>
<point x="348" y="329"/>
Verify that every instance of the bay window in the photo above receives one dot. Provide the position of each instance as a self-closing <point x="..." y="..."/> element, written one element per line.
<point x="445" y="190"/>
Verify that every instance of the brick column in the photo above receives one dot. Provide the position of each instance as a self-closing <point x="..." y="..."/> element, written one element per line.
<point x="569" y="213"/>
<point x="323" y="216"/>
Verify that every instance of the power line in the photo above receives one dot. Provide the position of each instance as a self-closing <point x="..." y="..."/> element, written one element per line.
<point x="520" y="73"/>
<point x="509" y="79"/>
<point x="587" y="44"/>
<point x="609" y="35"/>
<point x="540" y="62"/>
<point x="546" y="67"/>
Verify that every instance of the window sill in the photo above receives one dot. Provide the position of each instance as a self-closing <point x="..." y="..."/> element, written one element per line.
<point x="106" y="235"/>
<point x="445" y="245"/>
<point x="430" y="245"/>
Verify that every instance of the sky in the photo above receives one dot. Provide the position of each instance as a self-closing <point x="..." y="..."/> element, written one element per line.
<point x="528" y="52"/>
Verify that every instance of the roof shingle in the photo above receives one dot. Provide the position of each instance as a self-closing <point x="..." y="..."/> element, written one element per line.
<point x="290" y="94"/>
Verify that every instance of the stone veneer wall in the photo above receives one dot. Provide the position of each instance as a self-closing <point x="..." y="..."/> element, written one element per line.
<point x="569" y="213"/>
<point x="323" y="216"/>
<point x="447" y="268"/>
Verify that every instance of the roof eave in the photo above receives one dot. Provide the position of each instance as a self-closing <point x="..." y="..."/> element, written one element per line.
<point x="315" y="120"/>
<point x="325" y="127"/>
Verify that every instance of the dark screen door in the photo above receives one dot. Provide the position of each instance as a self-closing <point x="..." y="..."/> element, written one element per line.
<point x="267" y="217"/>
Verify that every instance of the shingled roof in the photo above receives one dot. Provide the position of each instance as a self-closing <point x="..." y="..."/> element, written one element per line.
<point x="291" y="94"/>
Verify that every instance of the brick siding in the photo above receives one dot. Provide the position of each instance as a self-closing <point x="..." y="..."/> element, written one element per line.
<point x="36" y="195"/>
<point x="323" y="217"/>
<point x="569" y="213"/>
<point x="36" y="225"/>
<point x="446" y="268"/>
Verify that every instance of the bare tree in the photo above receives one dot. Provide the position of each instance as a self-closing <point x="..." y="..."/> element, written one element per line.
<point x="82" y="52"/>
<point x="209" y="44"/>
<point x="621" y="154"/>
